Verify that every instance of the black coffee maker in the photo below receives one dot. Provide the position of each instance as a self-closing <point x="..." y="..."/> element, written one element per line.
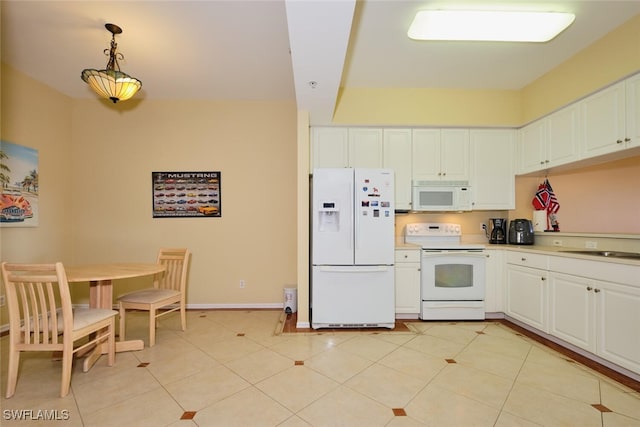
<point x="497" y="230"/>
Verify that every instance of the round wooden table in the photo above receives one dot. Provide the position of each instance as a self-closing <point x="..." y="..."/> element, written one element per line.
<point x="100" y="277"/>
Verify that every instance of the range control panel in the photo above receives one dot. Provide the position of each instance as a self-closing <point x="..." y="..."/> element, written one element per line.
<point x="433" y="229"/>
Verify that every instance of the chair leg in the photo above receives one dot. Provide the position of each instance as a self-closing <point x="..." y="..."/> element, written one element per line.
<point x="67" y="362"/>
<point x="183" y="316"/>
<point x="12" y="374"/>
<point x="152" y="327"/>
<point x="122" y="324"/>
<point x="111" y="343"/>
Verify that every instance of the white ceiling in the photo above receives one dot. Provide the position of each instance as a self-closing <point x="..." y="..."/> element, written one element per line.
<point x="272" y="49"/>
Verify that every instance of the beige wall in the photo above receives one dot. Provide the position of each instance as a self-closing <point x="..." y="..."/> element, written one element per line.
<point x="35" y="116"/>
<point x="252" y="144"/>
<point x="95" y="170"/>
<point x="611" y="58"/>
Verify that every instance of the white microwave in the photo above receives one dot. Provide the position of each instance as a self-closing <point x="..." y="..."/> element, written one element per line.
<point x="441" y="196"/>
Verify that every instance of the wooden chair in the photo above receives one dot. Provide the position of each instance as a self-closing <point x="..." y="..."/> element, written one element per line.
<point x="168" y="289"/>
<point x="41" y="318"/>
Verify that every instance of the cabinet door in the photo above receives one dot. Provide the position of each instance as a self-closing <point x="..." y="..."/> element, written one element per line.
<point x="572" y="310"/>
<point x="330" y="147"/>
<point x="563" y="130"/>
<point x="396" y="155"/>
<point x="493" y="301"/>
<point x="532" y="145"/>
<point x="426" y="155"/>
<point x="618" y="318"/>
<point x="408" y="288"/>
<point x="632" y="95"/>
<point x="365" y="148"/>
<point x="454" y="154"/>
<point x="603" y="121"/>
<point x="492" y="174"/>
<point x="527" y="296"/>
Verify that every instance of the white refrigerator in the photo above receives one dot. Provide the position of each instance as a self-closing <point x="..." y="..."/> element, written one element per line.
<point x="352" y="248"/>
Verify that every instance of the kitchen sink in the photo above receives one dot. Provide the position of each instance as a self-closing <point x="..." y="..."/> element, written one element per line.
<point x="608" y="254"/>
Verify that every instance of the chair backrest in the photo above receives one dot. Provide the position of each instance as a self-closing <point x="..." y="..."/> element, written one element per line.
<point x="176" y="262"/>
<point x="39" y="303"/>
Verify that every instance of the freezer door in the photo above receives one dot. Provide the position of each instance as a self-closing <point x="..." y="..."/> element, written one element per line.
<point x="374" y="216"/>
<point x="343" y="297"/>
<point x="332" y="217"/>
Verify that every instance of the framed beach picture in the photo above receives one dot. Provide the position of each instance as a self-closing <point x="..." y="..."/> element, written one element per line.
<point x="186" y="194"/>
<point x="20" y="185"/>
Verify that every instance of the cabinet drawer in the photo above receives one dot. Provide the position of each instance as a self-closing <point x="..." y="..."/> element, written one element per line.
<point x="528" y="259"/>
<point x="408" y="255"/>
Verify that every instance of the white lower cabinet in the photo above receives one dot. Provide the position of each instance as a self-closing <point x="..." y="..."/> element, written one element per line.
<point x="598" y="316"/>
<point x="617" y="320"/>
<point x="572" y="310"/>
<point x="407" y="281"/>
<point x="493" y="299"/>
<point x="527" y="296"/>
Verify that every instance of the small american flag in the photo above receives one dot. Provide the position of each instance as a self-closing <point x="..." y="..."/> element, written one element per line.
<point x="553" y="206"/>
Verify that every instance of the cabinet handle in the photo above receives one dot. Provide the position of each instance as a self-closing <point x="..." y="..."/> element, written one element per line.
<point x="523" y="259"/>
<point x="542" y="162"/>
<point x="546" y="161"/>
<point x="439" y="173"/>
<point x="627" y="139"/>
<point x="543" y="278"/>
<point x="619" y="141"/>
<point x="589" y="288"/>
<point x="596" y="290"/>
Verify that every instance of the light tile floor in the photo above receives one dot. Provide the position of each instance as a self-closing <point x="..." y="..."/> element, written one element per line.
<point x="235" y="368"/>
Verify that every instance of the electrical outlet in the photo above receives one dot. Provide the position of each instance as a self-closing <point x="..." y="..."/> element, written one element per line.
<point x="589" y="244"/>
<point x="241" y="283"/>
<point x="483" y="226"/>
<point x="2" y="300"/>
<point x="557" y="242"/>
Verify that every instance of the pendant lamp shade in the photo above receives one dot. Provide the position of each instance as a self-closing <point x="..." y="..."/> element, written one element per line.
<point x="111" y="83"/>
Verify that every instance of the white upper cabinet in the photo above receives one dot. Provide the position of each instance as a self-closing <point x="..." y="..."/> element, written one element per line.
<point x="440" y="155"/>
<point x="365" y="148"/>
<point x="632" y="86"/>
<point x="550" y="141"/>
<point x="603" y="122"/>
<point x="532" y="146"/>
<point x="335" y="147"/>
<point x="492" y="172"/>
<point x="563" y="136"/>
<point x="329" y="147"/>
<point x="396" y="155"/>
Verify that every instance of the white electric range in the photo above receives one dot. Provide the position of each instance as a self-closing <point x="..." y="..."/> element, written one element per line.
<point x="452" y="278"/>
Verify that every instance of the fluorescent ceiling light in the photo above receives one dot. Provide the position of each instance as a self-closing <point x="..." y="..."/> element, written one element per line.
<point x="488" y="25"/>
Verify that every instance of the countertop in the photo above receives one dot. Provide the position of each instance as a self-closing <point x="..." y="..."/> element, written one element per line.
<point x="544" y="250"/>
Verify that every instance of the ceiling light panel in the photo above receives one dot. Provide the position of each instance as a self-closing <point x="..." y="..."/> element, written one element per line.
<point x="488" y="25"/>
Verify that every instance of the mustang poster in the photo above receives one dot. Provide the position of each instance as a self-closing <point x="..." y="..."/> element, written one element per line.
<point x="186" y="194"/>
<point x="19" y="177"/>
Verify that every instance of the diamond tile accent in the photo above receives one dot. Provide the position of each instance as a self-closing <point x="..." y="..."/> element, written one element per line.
<point x="143" y="365"/>
<point x="399" y="412"/>
<point x="601" y="407"/>
<point x="450" y="360"/>
<point x="188" y="415"/>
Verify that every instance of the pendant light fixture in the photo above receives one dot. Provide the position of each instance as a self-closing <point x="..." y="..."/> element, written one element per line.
<point x="112" y="83"/>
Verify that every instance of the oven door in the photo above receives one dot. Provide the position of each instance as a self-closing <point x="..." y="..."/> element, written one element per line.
<point x="453" y="275"/>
